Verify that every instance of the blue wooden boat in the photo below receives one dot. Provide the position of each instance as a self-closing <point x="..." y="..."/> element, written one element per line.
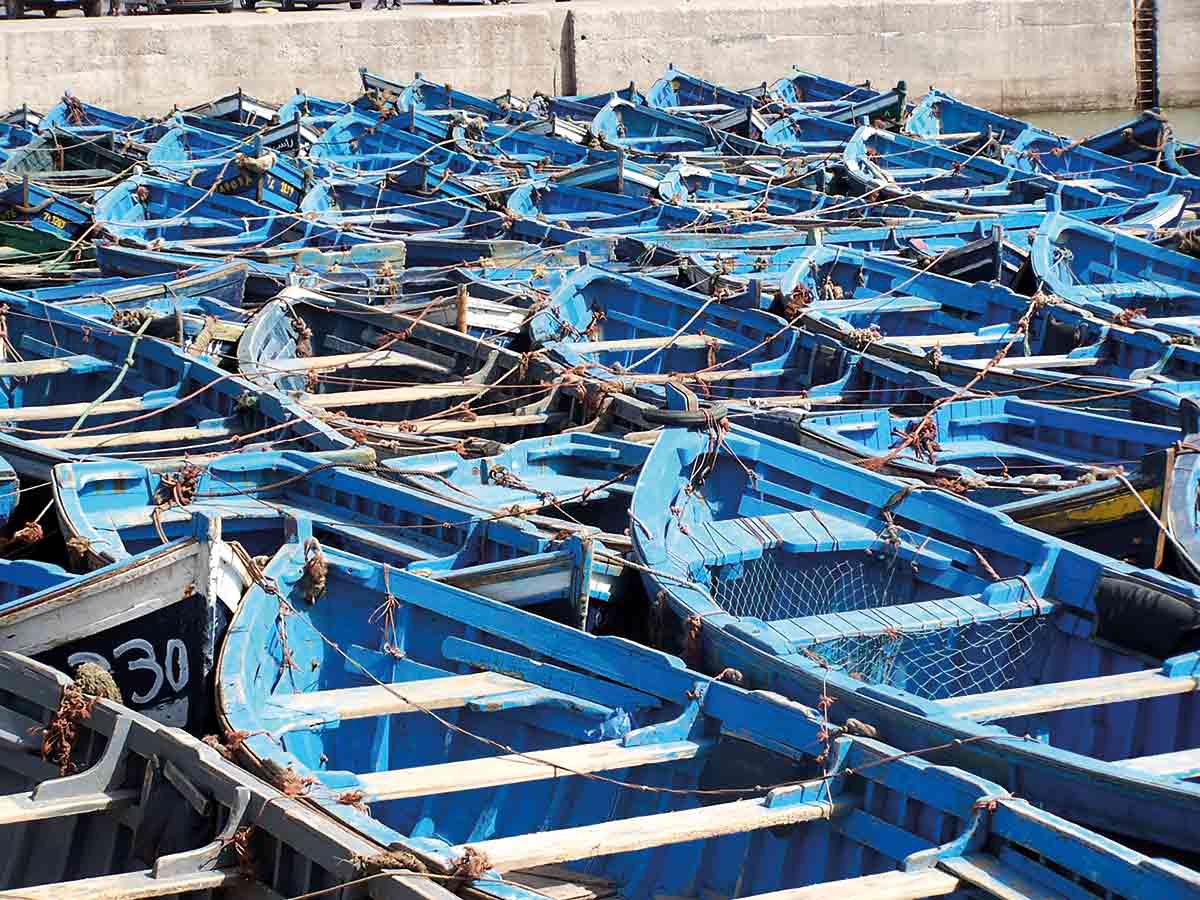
<point x="53" y="216"/>
<point x="431" y="97"/>
<point x="71" y="164"/>
<point x="161" y="214"/>
<point x="154" y="621"/>
<point x="314" y="112"/>
<point x="945" y="119"/>
<point x="1148" y="138"/>
<point x="549" y="211"/>
<point x="1062" y="471"/>
<point x="821" y="96"/>
<point x="73" y="115"/>
<point x="934" y="177"/>
<point x="563" y="762"/>
<point x="860" y="298"/>
<point x="684" y="94"/>
<point x="224" y="283"/>
<point x="109" y="508"/>
<point x="628" y="328"/>
<point x="640" y="129"/>
<point x="556" y="482"/>
<point x="239" y="107"/>
<point x="13" y="137"/>
<point x="386" y="207"/>
<point x="514" y="146"/>
<point x="79" y="388"/>
<point x="366" y="143"/>
<point x="146" y="810"/>
<point x="936" y="621"/>
<point x="1113" y="272"/>
<point x="1039" y="153"/>
<point x="397" y="380"/>
<point x="779" y="203"/>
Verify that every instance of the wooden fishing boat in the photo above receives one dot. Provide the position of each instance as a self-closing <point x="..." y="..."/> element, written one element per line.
<point x="1092" y="479"/>
<point x="557" y="482"/>
<point x="935" y="177"/>
<point x="353" y="367"/>
<point x="37" y="219"/>
<point x="432" y="98"/>
<point x="821" y="96"/>
<point x="71" y="114"/>
<point x="1069" y="162"/>
<point x="239" y="107"/>
<point x="116" y="510"/>
<point x="13" y="137"/>
<point x="925" y="617"/>
<point x="1148" y="138"/>
<point x="388" y="207"/>
<point x="779" y="202"/>
<point x="627" y="328"/>
<point x="1118" y="275"/>
<point x="514" y="146"/>
<point x="548" y="211"/>
<point x="158" y="213"/>
<point x="121" y="807"/>
<point x="224" y="283"/>
<point x="142" y="398"/>
<point x="314" y="112"/>
<point x="865" y="297"/>
<point x="230" y="167"/>
<point x="943" y="118"/>
<point x="73" y="165"/>
<point x="153" y="621"/>
<point x="565" y="763"/>
<point x="640" y="129"/>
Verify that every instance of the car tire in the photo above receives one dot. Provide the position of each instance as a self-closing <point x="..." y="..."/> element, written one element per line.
<point x="356" y="4"/>
<point x="225" y="9"/>
<point x="50" y="11"/>
<point x="93" y="8"/>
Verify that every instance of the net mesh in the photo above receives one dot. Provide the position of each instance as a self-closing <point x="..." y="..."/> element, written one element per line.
<point x="932" y="662"/>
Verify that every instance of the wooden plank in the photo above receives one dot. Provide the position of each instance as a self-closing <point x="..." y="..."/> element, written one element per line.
<point x="1180" y="764"/>
<point x="1042" y="698"/>
<point x="54" y="366"/>
<point x="480" y="423"/>
<point x="1037" y="362"/>
<point x="125" y="439"/>
<point x="707" y="377"/>
<point x="642" y="832"/>
<point x="362" y="360"/>
<point x="560" y="883"/>
<point x="682" y="341"/>
<point x="128" y="886"/>
<point x="23" y="807"/>
<point x="70" y="410"/>
<point x="392" y="395"/>
<point x="380" y="700"/>
<point x="885" y="886"/>
<point x="955" y="339"/>
<point x="540" y="765"/>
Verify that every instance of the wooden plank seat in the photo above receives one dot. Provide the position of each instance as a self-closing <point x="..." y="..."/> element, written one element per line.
<point x="1042" y="698"/>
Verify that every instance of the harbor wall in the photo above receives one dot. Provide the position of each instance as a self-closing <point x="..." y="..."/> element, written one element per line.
<point x="1179" y="52"/>
<point x="1012" y="55"/>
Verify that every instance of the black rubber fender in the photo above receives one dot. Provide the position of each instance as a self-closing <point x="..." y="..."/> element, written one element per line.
<point x="1142" y="618"/>
<point x="686" y="418"/>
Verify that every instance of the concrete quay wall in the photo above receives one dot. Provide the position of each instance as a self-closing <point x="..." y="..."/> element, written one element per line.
<point x="1179" y="52"/>
<point x="1011" y="55"/>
